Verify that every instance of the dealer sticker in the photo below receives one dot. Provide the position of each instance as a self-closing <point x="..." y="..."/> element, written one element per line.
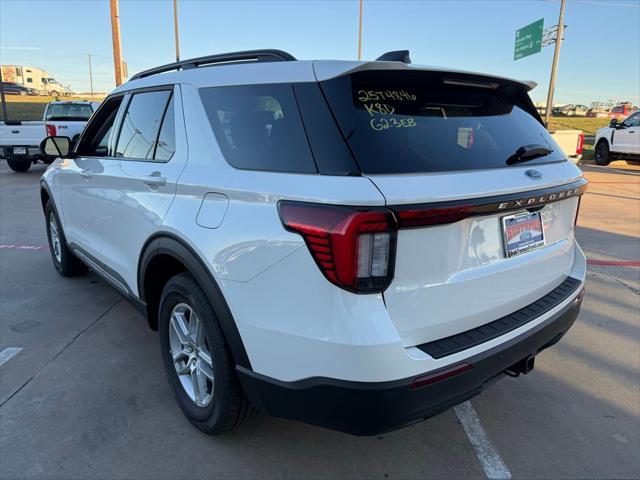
<point x="522" y="233"/>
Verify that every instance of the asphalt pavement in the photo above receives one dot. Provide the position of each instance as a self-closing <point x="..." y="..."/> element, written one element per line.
<point x="83" y="394"/>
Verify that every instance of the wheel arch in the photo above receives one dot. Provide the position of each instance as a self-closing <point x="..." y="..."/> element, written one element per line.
<point x="165" y="255"/>
<point x="45" y="195"/>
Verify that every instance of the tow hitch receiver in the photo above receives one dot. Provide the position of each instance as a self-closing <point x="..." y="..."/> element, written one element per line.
<point x="523" y="366"/>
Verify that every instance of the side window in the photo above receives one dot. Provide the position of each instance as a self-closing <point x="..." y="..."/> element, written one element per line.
<point x="141" y="125"/>
<point x="95" y="139"/>
<point x="166" y="144"/>
<point x="258" y="127"/>
<point x="632" y="121"/>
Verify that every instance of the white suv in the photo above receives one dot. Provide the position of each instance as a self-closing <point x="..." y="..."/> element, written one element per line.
<point x="356" y="245"/>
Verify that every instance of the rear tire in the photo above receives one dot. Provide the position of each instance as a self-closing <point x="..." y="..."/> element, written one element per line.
<point x="64" y="261"/>
<point x="603" y="156"/>
<point x="19" y="165"/>
<point x="192" y="342"/>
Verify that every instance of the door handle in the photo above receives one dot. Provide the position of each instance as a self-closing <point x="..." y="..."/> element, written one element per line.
<point x="154" y="180"/>
<point x="86" y="174"/>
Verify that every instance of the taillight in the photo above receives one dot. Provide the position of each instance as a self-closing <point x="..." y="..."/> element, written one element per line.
<point x="353" y="247"/>
<point x="423" y="217"/>
<point x="51" y="130"/>
<point x="580" y="144"/>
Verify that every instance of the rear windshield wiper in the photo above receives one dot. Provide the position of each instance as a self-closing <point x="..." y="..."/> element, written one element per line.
<point x="528" y="152"/>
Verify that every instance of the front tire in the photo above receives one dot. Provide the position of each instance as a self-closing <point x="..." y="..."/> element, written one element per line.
<point x="603" y="156"/>
<point x="64" y="261"/>
<point x="198" y="361"/>
<point x="19" y="165"/>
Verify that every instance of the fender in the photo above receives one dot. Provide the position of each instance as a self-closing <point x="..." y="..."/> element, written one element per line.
<point x="171" y="245"/>
<point x="44" y="186"/>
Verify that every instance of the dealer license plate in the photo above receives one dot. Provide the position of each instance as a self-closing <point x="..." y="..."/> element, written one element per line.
<point x="522" y="233"/>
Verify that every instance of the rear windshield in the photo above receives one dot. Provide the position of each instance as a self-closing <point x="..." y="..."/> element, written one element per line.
<point x="419" y="122"/>
<point x="69" y="112"/>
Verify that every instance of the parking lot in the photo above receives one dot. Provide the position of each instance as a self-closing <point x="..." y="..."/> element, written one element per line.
<point x="83" y="393"/>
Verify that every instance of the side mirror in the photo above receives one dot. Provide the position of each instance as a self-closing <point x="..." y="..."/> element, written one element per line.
<point x="613" y="123"/>
<point x="56" y="147"/>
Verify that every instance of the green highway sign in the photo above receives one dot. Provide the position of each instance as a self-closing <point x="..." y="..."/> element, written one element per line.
<point x="529" y="40"/>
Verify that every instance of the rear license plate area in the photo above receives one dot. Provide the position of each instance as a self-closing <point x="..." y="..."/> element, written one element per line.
<point x="522" y="233"/>
<point x="19" y="150"/>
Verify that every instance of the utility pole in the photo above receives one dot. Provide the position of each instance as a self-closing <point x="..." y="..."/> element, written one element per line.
<point x="90" y="75"/>
<point x="175" y="28"/>
<point x="556" y="56"/>
<point x="115" y="35"/>
<point x="360" y="33"/>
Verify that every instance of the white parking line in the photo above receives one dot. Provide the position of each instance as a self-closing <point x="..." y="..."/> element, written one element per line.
<point x="487" y="454"/>
<point x="8" y="353"/>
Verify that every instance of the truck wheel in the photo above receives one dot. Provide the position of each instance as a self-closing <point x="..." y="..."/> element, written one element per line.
<point x="53" y="93"/>
<point x="602" y="153"/>
<point x="18" y="165"/>
<point x="198" y="361"/>
<point x="64" y="261"/>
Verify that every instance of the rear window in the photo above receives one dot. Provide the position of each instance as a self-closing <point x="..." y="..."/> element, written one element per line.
<point x="258" y="127"/>
<point x="69" y="112"/>
<point x="420" y="122"/>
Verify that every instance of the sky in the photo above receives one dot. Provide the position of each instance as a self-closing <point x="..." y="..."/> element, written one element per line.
<point x="599" y="59"/>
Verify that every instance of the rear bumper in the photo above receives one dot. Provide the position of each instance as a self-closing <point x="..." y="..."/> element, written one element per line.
<point x="369" y="408"/>
<point x="32" y="152"/>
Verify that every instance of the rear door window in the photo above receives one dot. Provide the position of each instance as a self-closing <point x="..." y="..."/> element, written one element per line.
<point x="258" y="127"/>
<point x="141" y="123"/>
<point x="421" y="122"/>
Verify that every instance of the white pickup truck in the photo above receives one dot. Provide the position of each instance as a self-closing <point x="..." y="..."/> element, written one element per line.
<point x="20" y="141"/>
<point x="619" y="140"/>
<point x="571" y="142"/>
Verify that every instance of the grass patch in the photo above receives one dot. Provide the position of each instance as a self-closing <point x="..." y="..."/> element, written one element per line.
<point x="24" y="111"/>
<point x="587" y="125"/>
<point x="31" y="108"/>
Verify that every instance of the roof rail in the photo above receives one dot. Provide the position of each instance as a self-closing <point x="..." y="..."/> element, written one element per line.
<point x="246" y="56"/>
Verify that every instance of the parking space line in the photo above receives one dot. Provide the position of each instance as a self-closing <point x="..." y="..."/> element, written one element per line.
<point x="487" y="454"/>
<point x="614" y="263"/>
<point x="8" y="353"/>
<point x="13" y="246"/>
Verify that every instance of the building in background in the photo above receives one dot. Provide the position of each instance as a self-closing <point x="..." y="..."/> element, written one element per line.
<point x="33" y="77"/>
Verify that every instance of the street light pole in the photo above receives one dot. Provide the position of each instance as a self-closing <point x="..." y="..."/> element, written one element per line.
<point x="90" y="75"/>
<point x="556" y="57"/>
<point x="115" y="35"/>
<point x="175" y="28"/>
<point x="360" y="33"/>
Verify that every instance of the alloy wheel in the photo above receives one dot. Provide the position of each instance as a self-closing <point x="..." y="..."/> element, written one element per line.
<point x="55" y="237"/>
<point x="190" y="354"/>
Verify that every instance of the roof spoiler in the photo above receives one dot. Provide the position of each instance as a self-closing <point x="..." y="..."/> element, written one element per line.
<point x="395" y="56"/>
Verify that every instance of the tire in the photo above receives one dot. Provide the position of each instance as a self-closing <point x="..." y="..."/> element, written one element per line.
<point x="603" y="156"/>
<point x="53" y="93"/>
<point x="64" y="261"/>
<point x="18" y="165"/>
<point x="221" y="405"/>
<point x="22" y="93"/>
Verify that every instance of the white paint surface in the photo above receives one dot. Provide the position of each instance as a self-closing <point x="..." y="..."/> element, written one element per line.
<point x="487" y="454"/>
<point x="8" y="353"/>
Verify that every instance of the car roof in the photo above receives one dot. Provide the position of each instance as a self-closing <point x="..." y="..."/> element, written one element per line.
<point x="299" y="71"/>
